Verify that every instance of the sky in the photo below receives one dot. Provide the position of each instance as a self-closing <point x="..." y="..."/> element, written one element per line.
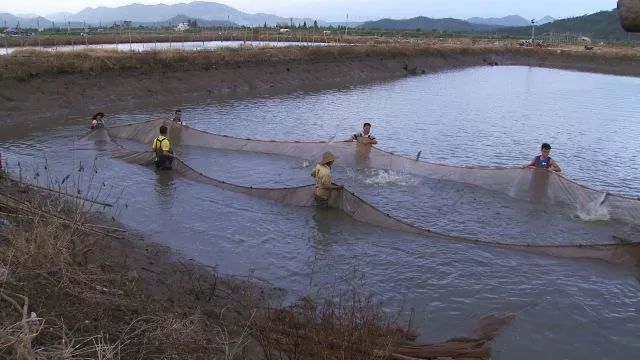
<point x="358" y="10"/>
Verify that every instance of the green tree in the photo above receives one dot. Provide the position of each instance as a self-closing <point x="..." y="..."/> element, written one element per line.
<point x="304" y="25"/>
<point x="315" y="24"/>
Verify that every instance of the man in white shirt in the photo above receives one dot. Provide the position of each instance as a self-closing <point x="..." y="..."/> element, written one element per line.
<point x="365" y="136"/>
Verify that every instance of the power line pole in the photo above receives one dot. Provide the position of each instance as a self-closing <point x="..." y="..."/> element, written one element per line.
<point x="533" y="31"/>
<point x="6" y="45"/>
<point x="347" y="26"/>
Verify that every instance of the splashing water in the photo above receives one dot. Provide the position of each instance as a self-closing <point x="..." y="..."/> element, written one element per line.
<point x="306" y="163"/>
<point x="595" y="211"/>
<point x="382" y="177"/>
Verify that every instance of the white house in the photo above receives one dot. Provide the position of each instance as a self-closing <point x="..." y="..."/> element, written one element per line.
<point x="182" y="27"/>
<point x="283" y="31"/>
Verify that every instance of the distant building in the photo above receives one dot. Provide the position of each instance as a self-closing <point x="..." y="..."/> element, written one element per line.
<point x="16" y="32"/>
<point x="283" y="31"/>
<point x="182" y="27"/>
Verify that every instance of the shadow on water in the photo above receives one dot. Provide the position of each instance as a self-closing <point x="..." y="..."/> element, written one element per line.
<point x="539" y="187"/>
<point x="165" y="187"/>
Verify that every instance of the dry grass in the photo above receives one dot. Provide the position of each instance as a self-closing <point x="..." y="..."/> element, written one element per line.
<point x="56" y="304"/>
<point x="26" y="64"/>
<point x="351" y="327"/>
<point x="53" y="306"/>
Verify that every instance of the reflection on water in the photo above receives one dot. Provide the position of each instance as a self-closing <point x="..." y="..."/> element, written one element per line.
<point x="165" y="188"/>
<point x="478" y="116"/>
<point x="189" y="45"/>
<point x="577" y="309"/>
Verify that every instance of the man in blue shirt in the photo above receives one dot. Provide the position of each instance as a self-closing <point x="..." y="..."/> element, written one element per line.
<point x="544" y="161"/>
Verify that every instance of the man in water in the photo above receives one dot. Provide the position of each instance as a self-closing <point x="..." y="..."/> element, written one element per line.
<point x="365" y="137"/>
<point x="97" y="121"/>
<point x="544" y="161"/>
<point x="177" y="118"/>
<point x="322" y="174"/>
<point x="162" y="148"/>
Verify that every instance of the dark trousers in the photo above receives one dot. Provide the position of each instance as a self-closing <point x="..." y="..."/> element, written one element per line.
<point x="163" y="162"/>
<point x="321" y="201"/>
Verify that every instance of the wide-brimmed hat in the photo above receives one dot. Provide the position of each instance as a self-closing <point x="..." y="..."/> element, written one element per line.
<point x="327" y="157"/>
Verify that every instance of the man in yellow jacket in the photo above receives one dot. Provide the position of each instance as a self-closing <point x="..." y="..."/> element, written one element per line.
<point x="322" y="174"/>
<point x="162" y="147"/>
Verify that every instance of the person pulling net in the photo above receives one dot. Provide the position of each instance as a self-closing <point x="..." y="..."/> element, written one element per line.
<point x="162" y="148"/>
<point x="514" y="181"/>
<point x="322" y="175"/>
<point x="361" y="210"/>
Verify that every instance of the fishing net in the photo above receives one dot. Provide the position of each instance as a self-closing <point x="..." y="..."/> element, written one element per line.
<point x="518" y="183"/>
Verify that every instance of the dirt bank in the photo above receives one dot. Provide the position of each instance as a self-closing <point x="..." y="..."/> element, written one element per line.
<point x="73" y="284"/>
<point x="39" y="86"/>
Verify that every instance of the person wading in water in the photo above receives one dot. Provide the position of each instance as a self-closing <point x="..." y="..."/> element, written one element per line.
<point x="162" y="148"/>
<point x="177" y="118"/>
<point x="365" y="136"/>
<point x="544" y="161"/>
<point x="97" y="121"/>
<point x="322" y="174"/>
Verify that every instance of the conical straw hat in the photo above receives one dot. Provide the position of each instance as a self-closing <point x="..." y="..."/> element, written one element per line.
<point x="327" y="157"/>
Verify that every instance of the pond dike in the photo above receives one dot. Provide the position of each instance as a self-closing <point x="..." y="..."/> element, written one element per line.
<point x="37" y="85"/>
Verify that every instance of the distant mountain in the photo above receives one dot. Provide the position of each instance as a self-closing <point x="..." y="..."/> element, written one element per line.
<point x="60" y="16"/>
<point x="11" y="21"/>
<point x="27" y="16"/>
<point x="511" y="20"/>
<point x="428" y="24"/>
<point x="179" y="19"/>
<point x="603" y="25"/>
<point x="351" y="24"/>
<point x="545" y="20"/>
<point x="139" y="13"/>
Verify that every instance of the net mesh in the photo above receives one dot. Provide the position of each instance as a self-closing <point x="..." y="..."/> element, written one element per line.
<point x="518" y="183"/>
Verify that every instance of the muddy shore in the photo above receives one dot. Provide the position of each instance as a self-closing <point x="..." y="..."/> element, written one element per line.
<point x="41" y="86"/>
<point x="75" y="282"/>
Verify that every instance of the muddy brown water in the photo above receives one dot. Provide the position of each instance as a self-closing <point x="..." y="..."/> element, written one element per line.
<point x="487" y="116"/>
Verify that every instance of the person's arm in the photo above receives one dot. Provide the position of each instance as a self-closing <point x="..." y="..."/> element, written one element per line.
<point x="531" y="164"/>
<point x="554" y="166"/>
<point x="373" y="140"/>
<point x="326" y="183"/>
<point x="165" y="148"/>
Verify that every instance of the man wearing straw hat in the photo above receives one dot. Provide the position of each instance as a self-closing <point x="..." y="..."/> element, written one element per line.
<point x="322" y="174"/>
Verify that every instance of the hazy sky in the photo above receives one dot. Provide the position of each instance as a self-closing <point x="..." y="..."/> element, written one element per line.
<point x="357" y="9"/>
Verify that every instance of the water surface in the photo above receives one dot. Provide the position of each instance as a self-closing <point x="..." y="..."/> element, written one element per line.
<point x="575" y="309"/>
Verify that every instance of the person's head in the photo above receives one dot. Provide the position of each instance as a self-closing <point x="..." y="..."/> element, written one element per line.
<point x="163" y="130"/>
<point x="366" y="128"/>
<point x="545" y="149"/>
<point x="178" y="114"/>
<point x="98" y="116"/>
<point x="327" y="158"/>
